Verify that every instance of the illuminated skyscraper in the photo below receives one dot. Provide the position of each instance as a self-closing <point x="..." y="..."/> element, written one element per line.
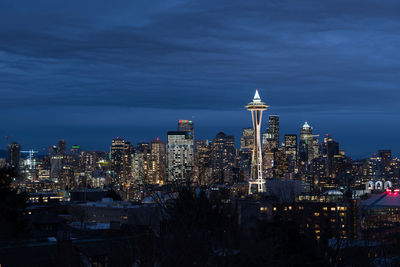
<point x="121" y="161"/>
<point x="308" y="146"/>
<point x="56" y="163"/>
<point x="271" y="136"/>
<point x="330" y="149"/>
<point x="247" y="139"/>
<point x="386" y="156"/>
<point x="180" y="156"/>
<point x="186" y="126"/>
<point x="14" y="155"/>
<point x="142" y="171"/>
<point x="256" y="107"/>
<point x="203" y="163"/>
<point x="75" y="151"/>
<point x="268" y="164"/>
<point x="245" y="152"/>
<point x="222" y="157"/>
<point x="291" y="152"/>
<point x="53" y="150"/>
<point x="158" y="161"/>
<point x="280" y="168"/>
<point x="62" y="147"/>
<point x="305" y="140"/>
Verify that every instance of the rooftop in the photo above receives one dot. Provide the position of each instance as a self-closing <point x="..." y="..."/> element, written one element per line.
<point x="389" y="198"/>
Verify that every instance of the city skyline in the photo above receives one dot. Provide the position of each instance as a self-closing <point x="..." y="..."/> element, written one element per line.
<point x="87" y="142"/>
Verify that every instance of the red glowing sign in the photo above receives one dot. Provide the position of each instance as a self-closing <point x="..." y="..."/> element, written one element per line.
<point x="394" y="191"/>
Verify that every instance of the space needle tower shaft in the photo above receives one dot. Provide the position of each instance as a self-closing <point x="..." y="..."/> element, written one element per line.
<point x="256" y="107"/>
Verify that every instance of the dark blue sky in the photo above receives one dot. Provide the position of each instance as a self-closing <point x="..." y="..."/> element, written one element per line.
<point x="87" y="71"/>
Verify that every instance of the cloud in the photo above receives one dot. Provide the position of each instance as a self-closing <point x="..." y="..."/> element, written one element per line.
<point x="200" y="55"/>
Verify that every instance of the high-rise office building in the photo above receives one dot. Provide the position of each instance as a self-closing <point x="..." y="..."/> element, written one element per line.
<point x="244" y="163"/>
<point x="158" y="161"/>
<point x="386" y="156"/>
<point x="308" y="146"/>
<point x="53" y="150"/>
<point x="138" y="167"/>
<point x="315" y="153"/>
<point x="121" y="159"/>
<point x="317" y="178"/>
<point x="280" y="167"/>
<point x="291" y="152"/>
<point x="56" y="162"/>
<point x="271" y="136"/>
<point x="203" y="162"/>
<point x="74" y="152"/>
<point x="373" y="168"/>
<point x="247" y="139"/>
<point x="186" y="126"/>
<point x="330" y="148"/>
<point x="222" y="157"/>
<point x="14" y="155"/>
<point x="144" y="170"/>
<point x="245" y="153"/>
<point x="62" y="147"/>
<point x="180" y="156"/>
<point x="268" y="163"/>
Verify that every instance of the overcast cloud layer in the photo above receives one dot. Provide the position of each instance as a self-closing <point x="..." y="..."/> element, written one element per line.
<point x="88" y="72"/>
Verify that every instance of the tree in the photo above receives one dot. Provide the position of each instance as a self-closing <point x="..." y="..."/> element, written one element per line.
<point x="12" y="206"/>
<point x="114" y="195"/>
<point x="203" y="232"/>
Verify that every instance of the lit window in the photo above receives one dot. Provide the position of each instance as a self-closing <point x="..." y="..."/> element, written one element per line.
<point x="316" y="213"/>
<point x="263" y="209"/>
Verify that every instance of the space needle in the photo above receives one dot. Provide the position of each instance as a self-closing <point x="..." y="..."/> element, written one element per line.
<point x="256" y="107"/>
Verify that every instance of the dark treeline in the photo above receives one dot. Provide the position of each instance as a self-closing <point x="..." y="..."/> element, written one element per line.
<point x="195" y="231"/>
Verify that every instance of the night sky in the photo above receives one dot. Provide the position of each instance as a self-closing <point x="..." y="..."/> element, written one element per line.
<point x="88" y="71"/>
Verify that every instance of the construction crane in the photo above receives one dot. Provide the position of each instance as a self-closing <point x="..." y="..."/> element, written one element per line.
<point x="31" y="154"/>
<point x="7" y="137"/>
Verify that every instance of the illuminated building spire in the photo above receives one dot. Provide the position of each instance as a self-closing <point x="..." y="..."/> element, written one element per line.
<point x="256" y="97"/>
